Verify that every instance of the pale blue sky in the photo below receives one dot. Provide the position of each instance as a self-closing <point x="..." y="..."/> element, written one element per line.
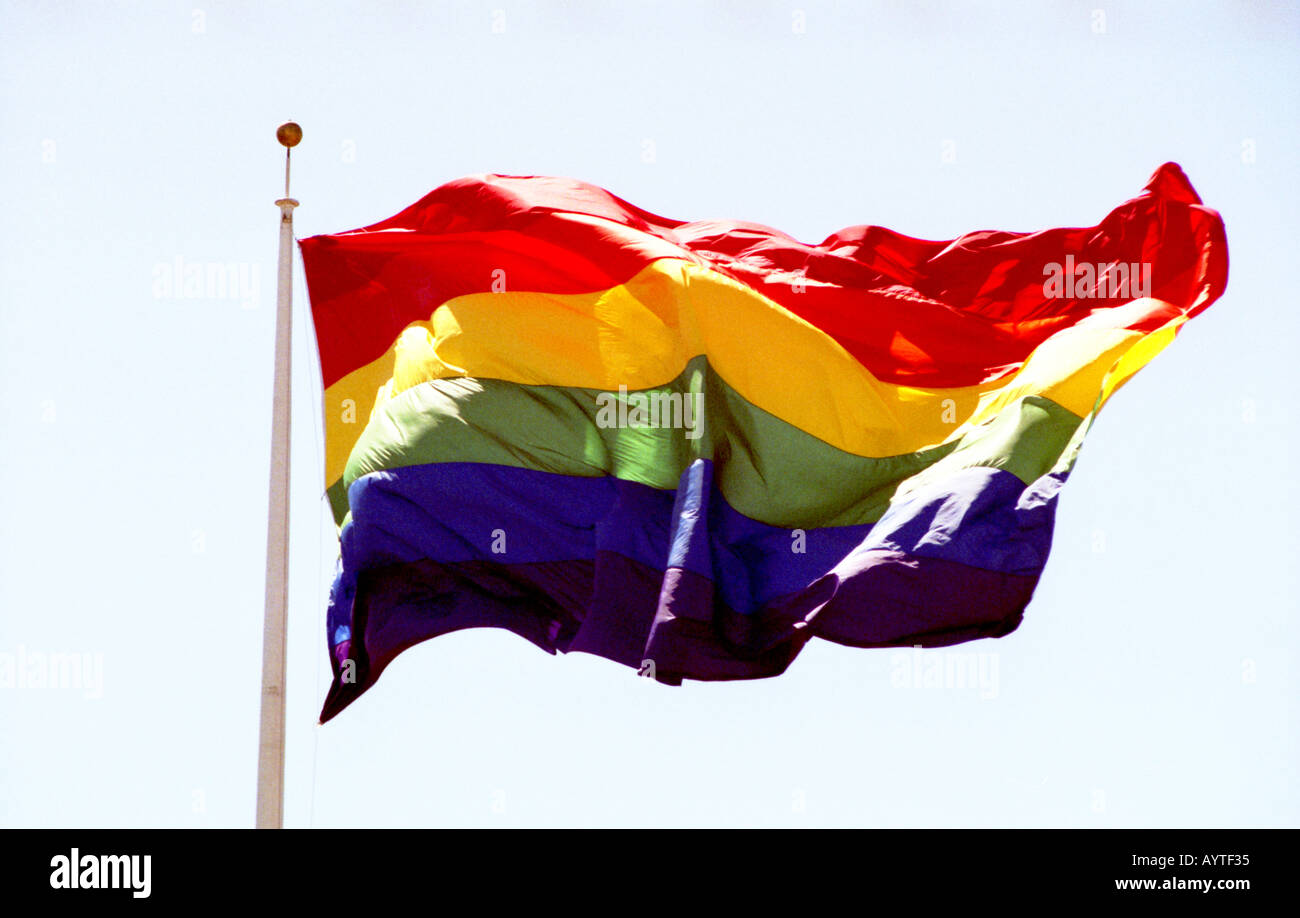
<point x="1153" y="680"/>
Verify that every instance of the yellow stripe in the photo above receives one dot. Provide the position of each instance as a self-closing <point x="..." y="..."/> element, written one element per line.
<point x="1139" y="356"/>
<point x="641" y="335"/>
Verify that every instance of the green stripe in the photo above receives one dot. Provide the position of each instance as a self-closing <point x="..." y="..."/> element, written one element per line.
<point x="766" y="468"/>
<point x="338" y="498"/>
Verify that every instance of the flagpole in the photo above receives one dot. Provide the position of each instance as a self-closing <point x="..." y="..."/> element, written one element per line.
<point x="270" y="752"/>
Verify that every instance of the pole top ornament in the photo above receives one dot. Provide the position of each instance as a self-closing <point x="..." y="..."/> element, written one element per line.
<point x="289" y="134"/>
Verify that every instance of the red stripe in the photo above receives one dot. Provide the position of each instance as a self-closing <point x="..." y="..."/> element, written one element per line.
<point x="952" y="313"/>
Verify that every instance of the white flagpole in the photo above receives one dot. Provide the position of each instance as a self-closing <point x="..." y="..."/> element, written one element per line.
<point x="270" y="752"/>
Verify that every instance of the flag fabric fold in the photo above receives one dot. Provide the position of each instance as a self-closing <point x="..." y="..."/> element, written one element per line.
<point x="692" y="447"/>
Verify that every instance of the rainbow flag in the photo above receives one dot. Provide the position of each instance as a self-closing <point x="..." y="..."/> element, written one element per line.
<point x="692" y="447"/>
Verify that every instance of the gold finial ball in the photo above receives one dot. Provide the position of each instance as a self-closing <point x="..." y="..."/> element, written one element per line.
<point x="289" y="134"/>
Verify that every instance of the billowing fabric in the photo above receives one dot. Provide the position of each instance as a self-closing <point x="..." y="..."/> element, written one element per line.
<point x="692" y="447"/>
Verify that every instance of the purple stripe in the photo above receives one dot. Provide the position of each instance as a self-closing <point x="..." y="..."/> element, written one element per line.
<point x="453" y="512"/>
<point x="681" y="579"/>
<point x="624" y="611"/>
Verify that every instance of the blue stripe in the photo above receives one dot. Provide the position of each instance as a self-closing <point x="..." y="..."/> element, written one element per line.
<point x="455" y="512"/>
